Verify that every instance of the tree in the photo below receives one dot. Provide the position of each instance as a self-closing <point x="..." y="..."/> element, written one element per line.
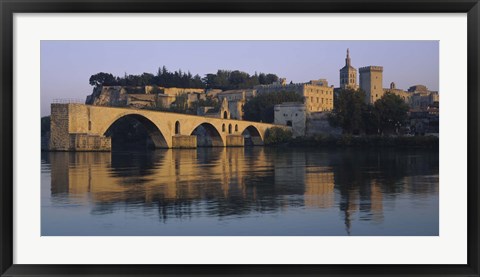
<point x="260" y="108"/>
<point x="276" y="135"/>
<point x="370" y="120"/>
<point x="102" y="79"/>
<point x="271" y="78"/>
<point x="349" y="111"/>
<point x="147" y="79"/>
<point x="391" y="112"/>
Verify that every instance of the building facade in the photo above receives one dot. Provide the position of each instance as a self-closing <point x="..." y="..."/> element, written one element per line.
<point x="236" y="100"/>
<point x="318" y="96"/>
<point x="371" y="82"/>
<point x="293" y="115"/>
<point x="422" y="98"/>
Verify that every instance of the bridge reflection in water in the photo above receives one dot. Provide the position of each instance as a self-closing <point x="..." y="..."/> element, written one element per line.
<point x="178" y="184"/>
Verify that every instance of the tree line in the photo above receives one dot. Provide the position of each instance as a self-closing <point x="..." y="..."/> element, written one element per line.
<point x="227" y="80"/>
<point x="223" y="79"/>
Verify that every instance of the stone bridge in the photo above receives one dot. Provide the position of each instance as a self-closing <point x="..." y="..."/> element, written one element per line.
<point x="79" y="127"/>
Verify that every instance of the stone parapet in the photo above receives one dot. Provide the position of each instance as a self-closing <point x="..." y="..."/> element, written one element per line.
<point x="371" y="68"/>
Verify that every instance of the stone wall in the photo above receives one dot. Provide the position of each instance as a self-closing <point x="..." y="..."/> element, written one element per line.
<point x="291" y="114"/>
<point x="317" y="98"/>
<point x="59" y="135"/>
<point x="317" y="124"/>
<point x="86" y="142"/>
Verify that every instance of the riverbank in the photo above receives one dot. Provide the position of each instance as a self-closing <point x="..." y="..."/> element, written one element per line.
<point x="431" y="142"/>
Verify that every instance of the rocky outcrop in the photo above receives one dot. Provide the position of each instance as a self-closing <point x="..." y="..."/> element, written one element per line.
<point x="113" y="96"/>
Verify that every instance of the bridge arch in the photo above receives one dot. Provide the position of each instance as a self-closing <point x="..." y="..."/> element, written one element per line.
<point x="151" y="128"/>
<point x="207" y="135"/>
<point x="252" y="136"/>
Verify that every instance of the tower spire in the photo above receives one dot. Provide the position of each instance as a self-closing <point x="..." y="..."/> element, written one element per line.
<point x="347" y="60"/>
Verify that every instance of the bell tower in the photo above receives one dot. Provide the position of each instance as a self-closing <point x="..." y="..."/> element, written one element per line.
<point x="348" y="74"/>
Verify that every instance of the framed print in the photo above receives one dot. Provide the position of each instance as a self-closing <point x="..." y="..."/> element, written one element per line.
<point x="239" y="138"/>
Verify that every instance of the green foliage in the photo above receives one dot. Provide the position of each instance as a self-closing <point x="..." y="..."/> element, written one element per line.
<point x="391" y="112"/>
<point x="348" y="112"/>
<point x="260" y="108"/>
<point x="223" y="79"/>
<point x="356" y="117"/>
<point x="276" y="135"/>
<point x="102" y="79"/>
<point x="163" y="78"/>
<point x="227" y="80"/>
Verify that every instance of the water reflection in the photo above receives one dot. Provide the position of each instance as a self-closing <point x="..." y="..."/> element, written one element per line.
<point x="234" y="183"/>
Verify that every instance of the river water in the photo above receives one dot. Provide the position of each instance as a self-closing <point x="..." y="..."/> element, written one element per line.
<point x="241" y="191"/>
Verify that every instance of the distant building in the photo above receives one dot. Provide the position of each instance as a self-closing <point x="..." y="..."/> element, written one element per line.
<point x="293" y="115"/>
<point x="422" y="98"/>
<point x="371" y="82"/>
<point x="348" y="74"/>
<point x="405" y="95"/>
<point x="318" y="96"/>
<point x="223" y="112"/>
<point x="236" y="100"/>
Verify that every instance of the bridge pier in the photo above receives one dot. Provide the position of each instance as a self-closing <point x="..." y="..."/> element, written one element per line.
<point x="234" y="141"/>
<point x="184" y="141"/>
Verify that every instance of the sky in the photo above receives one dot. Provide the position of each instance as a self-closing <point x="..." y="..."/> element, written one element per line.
<point x="66" y="66"/>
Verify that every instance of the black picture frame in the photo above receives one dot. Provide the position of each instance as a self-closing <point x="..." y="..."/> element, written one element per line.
<point x="9" y="7"/>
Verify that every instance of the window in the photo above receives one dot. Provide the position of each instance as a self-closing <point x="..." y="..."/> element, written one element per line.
<point x="177" y="128"/>
<point x="223" y="128"/>
<point x="289" y="123"/>
<point x="229" y="128"/>
<point x="236" y="128"/>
